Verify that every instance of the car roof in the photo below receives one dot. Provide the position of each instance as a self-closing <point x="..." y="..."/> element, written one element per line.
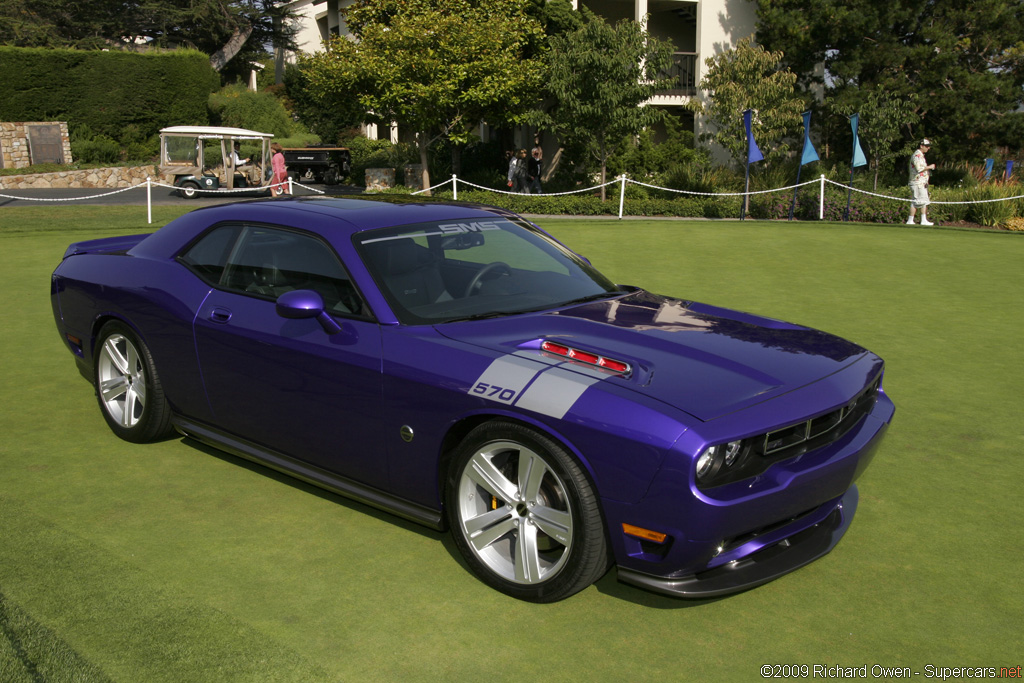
<point x="336" y="218"/>
<point x="354" y="215"/>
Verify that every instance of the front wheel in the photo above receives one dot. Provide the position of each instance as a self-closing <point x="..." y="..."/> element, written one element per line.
<point x="130" y="395"/>
<point x="524" y="515"/>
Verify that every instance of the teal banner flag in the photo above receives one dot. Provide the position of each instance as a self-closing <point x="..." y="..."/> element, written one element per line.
<point x="810" y="154"/>
<point x="858" y="153"/>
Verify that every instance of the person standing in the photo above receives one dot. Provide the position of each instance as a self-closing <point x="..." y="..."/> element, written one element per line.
<point x="279" y="179"/>
<point x="510" y="156"/>
<point x="534" y="170"/>
<point x="517" y="173"/>
<point x="920" y="170"/>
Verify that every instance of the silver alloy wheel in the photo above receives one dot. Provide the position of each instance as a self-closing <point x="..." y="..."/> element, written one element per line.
<point x="513" y="510"/>
<point x="122" y="380"/>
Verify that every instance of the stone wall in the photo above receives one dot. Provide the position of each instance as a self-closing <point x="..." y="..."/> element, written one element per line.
<point x="14" y="148"/>
<point x="93" y="177"/>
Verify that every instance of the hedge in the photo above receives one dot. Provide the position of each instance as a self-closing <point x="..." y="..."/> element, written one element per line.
<point x="106" y="91"/>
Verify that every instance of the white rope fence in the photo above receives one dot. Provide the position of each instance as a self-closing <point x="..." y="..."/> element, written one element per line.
<point x="454" y="182"/>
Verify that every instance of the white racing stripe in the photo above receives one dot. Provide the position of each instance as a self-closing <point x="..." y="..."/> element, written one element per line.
<point x="519" y="380"/>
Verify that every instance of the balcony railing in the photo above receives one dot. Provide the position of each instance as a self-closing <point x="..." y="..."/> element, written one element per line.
<point x="683" y="73"/>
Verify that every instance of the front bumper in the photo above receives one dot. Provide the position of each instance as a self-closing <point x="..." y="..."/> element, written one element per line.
<point x="767" y="564"/>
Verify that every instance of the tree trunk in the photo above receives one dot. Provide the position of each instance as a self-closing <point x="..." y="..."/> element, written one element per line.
<point x="457" y="157"/>
<point x="423" y="144"/>
<point x="221" y="57"/>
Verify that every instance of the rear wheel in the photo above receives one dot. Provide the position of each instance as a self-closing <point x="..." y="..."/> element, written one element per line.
<point x="130" y="395"/>
<point x="524" y="514"/>
<point x="189" y="189"/>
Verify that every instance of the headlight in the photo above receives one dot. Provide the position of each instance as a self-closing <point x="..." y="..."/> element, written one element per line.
<point x="715" y="459"/>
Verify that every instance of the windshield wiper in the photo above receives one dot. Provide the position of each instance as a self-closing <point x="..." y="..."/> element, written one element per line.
<point x="592" y="297"/>
<point x="482" y="316"/>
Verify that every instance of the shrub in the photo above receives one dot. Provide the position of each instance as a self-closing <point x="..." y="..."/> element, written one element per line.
<point x="987" y="211"/>
<point x="237" y="106"/>
<point x="368" y="153"/>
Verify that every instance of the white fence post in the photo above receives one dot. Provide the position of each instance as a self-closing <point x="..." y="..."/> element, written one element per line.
<point x="455" y="187"/>
<point x="149" y="200"/>
<point x="821" y="199"/>
<point x="622" y="194"/>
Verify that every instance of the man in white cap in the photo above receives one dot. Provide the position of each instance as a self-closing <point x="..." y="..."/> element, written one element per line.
<point x="919" y="172"/>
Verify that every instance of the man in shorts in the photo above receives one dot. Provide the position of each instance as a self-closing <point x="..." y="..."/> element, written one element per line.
<point x="920" y="169"/>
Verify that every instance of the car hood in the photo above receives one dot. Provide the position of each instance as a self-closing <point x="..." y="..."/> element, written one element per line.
<point x="704" y="360"/>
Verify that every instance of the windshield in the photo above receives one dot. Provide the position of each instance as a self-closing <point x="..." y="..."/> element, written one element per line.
<point x="445" y="271"/>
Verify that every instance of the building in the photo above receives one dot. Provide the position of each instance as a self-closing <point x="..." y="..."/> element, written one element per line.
<point x="698" y="29"/>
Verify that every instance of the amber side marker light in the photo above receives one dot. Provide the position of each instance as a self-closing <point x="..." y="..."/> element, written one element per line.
<point x="645" y="534"/>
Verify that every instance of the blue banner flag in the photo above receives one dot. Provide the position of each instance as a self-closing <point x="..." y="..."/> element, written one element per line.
<point x="858" y="153"/>
<point x="1009" y="169"/>
<point x="810" y="154"/>
<point x="753" y="153"/>
<point x="988" y="167"/>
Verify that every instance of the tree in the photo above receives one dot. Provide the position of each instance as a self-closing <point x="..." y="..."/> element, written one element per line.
<point x="223" y="29"/>
<point x="439" y="66"/>
<point x="963" y="60"/>
<point x="601" y="76"/>
<point x="884" y="118"/>
<point x="749" y="77"/>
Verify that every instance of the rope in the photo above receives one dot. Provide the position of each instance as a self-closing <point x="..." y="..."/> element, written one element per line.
<point x="907" y="199"/>
<point x="722" y="194"/>
<point x="543" y="194"/>
<point x="72" y="199"/>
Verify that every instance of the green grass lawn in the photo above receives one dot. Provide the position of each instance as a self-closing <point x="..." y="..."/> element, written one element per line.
<point x="170" y="562"/>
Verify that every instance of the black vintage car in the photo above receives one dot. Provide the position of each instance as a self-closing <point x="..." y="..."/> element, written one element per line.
<point x="322" y="164"/>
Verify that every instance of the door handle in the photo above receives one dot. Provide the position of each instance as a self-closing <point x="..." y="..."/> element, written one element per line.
<point x="220" y="315"/>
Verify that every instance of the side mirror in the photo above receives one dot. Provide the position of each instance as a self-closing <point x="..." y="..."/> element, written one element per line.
<point x="300" y="304"/>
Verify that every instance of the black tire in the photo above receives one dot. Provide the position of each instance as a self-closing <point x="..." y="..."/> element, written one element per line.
<point x="128" y="388"/>
<point x="189" y="190"/>
<point x="539" y="541"/>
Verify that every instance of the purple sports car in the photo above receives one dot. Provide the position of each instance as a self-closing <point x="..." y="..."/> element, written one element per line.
<point x="460" y="368"/>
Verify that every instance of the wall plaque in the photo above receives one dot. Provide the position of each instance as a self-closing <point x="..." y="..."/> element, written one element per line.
<point x="45" y="144"/>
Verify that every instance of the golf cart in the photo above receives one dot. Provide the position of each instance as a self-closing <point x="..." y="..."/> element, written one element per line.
<point x="182" y="156"/>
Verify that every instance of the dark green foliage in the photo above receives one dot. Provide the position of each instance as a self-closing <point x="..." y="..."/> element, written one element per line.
<point x="234" y="32"/>
<point x="330" y="123"/>
<point x="964" y="62"/>
<point x="106" y="91"/>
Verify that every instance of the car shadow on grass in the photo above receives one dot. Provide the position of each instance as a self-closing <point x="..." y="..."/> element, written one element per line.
<point x="608" y="584"/>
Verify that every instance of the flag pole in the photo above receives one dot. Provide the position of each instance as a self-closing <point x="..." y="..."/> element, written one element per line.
<point x="849" y="194"/>
<point x="792" y="204"/>
<point x="753" y="154"/>
<point x="808" y="155"/>
<point x="858" y="160"/>
<point x="746" y="197"/>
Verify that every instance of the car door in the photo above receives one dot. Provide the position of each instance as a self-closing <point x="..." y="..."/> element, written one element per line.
<point x="287" y="384"/>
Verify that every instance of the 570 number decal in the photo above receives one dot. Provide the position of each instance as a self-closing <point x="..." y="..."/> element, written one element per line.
<point x="494" y="392"/>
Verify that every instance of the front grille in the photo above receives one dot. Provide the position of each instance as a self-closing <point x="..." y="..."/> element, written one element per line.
<point x="838" y="421"/>
<point x="760" y="452"/>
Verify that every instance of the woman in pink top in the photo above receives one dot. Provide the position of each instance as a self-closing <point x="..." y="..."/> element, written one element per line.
<point x="280" y="173"/>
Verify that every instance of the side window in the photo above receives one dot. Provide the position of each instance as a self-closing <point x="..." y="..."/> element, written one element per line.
<point x="209" y="255"/>
<point x="267" y="262"/>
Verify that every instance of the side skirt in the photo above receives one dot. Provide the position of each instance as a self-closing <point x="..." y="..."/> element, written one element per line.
<point x="310" y="474"/>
